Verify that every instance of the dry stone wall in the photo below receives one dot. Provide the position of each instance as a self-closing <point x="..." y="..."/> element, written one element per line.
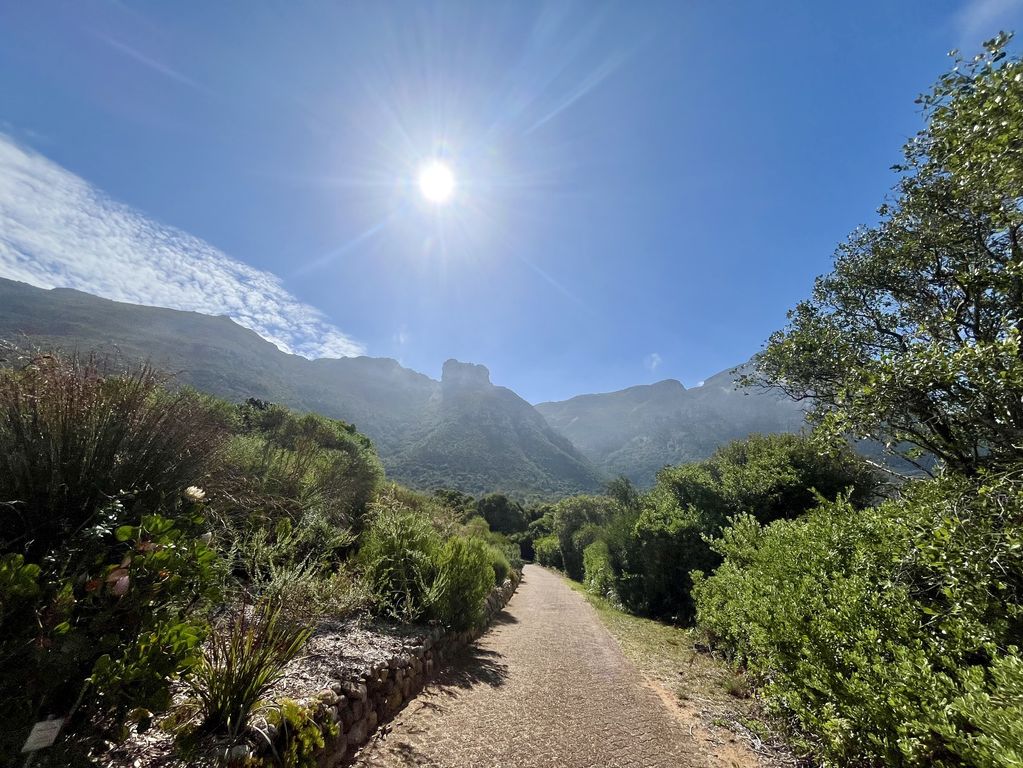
<point x="357" y="707"/>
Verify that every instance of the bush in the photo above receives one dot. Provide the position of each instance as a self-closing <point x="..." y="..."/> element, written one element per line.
<point x="499" y="562"/>
<point x="240" y="663"/>
<point x="400" y="551"/>
<point x="769" y="477"/>
<point x="920" y="598"/>
<point x="102" y="562"/>
<point x="599" y="578"/>
<point x="72" y="438"/>
<point x="576" y="522"/>
<point x="465" y="578"/>
<point x="548" y="551"/>
<point x="288" y="465"/>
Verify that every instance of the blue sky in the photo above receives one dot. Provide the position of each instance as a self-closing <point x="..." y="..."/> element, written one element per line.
<point x="642" y="189"/>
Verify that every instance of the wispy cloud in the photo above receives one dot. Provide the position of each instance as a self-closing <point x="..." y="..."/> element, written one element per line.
<point x="57" y="230"/>
<point x="151" y="63"/>
<point x="652" y="361"/>
<point x="980" y="20"/>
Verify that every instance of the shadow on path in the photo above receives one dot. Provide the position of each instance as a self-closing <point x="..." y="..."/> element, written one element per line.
<point x="471" y="668"/>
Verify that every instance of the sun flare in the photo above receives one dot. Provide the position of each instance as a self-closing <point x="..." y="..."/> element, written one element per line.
<point x="436" y="182"/>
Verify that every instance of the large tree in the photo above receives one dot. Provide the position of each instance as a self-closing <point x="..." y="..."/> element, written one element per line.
<point x="915" y="337"/>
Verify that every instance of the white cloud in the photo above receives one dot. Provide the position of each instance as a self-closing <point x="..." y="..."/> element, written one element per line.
<point x="56" y="230"/>
<point x="652" y="361"/>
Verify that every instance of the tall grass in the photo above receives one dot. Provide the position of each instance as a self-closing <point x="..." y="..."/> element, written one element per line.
<point x="71" y="439"/>
<point x="240" y="664"/>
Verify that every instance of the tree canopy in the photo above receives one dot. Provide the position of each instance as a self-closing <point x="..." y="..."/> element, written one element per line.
<point x="915" y="337"/>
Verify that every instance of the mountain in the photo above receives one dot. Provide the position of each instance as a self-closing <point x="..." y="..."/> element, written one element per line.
<point x="636" y="431"/>
<point x="477" y="429"/>
<point x="460" y="432"/>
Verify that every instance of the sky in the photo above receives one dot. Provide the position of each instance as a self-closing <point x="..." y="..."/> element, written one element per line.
<point x="641" y="189"/>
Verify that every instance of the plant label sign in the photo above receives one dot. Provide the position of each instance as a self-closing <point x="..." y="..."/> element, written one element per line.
<point x="43" y="734"/>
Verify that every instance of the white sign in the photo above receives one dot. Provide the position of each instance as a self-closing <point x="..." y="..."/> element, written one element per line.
<point x="43" y="734"/>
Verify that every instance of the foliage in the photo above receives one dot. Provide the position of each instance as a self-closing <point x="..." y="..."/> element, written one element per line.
<point x="576" y="522"/>
<point x="548" y="551"/>
<point x="653" y="551"/>
<point x="288" y="465"/>
<point x="400" y="551"/>
<point x="72" y="438"/>
<point x="299" y="736"/>
<point x="418" y="573"/>
<point x="598" y="576"/>
<point x="501" y="513"/>
<point x="915" y="337"/>
<point x="240" y="663"/>
<point x="921" y="598"/>
<point x="499" y="563"/>
<point x="102" y="562"/>
<point x="465" y="578"/>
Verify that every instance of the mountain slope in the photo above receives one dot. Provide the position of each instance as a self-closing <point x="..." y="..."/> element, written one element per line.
<point x="638" y="430"/>
<point x="462" y="432"/>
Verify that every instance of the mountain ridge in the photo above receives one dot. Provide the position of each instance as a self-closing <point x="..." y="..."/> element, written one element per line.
<point x="460" y="431"/>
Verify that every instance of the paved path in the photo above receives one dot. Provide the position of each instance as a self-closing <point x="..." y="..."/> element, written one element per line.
<point x="546" y="686"/>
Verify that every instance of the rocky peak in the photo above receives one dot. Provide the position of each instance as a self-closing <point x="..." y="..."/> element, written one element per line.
<point x="464" y="375"/>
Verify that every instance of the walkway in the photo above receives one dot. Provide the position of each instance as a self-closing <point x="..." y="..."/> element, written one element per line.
<point x="546" y="686"/>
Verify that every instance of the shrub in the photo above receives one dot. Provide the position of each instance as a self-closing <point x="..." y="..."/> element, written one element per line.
<point x="548" y="551"/>
<point x="289" y="465"/>
<point x="465" y="578"/>
<point x="240" y="663"/>
<point x="920" y="598"/>
<point x="103" y="563"/>
<point x="499" y="562"/>
<point x="599" y="578"/>
<point x="400" y="551"/>
<point x="72" y="438"/>
<point x="769" y="477"/>
<point x="575" y="521"/>
<point x="299" y="736"/>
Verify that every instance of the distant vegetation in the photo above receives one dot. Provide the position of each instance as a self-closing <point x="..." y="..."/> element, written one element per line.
<point x="153" y="540"/>
<point x="880" y="629"/>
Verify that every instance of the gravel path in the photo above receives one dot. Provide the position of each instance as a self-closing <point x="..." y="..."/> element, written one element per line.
<point x="546" y="686"/>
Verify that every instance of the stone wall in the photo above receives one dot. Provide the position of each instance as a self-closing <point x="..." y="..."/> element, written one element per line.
<point x="359" y="706"/>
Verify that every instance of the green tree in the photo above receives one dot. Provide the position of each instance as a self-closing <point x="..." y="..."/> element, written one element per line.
<point x="770" y="477"/>
<point x="915" y="337"/>
<point x="501" y="513"/>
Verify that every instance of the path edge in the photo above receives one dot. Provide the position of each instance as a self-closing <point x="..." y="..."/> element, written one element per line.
<point x="350" y="711"/>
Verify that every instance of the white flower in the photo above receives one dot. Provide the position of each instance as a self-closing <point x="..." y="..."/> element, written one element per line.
<point x="194" y="493"/>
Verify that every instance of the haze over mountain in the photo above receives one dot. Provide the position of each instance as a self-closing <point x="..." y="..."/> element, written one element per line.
<point x="461" y="432"/>
<point x="636" y="431"/>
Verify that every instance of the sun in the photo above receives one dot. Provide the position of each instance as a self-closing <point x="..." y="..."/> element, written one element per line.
<point x="436" y="182"/>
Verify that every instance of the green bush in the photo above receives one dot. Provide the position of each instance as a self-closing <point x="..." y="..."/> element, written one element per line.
<point x="287" y="465"/>
<point x="72" y="438"/>
<point x="499" y="562"/>
<point x="770" y="477"/>
<point x="102" y="563"/>
<point x="920" y="599"/>
<point x="576" y="522"/>
<point x="599" y="578"/>
<point x="548" y="551"/>
<point x="465" y="578"/>
<point x="400" y="551"/>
